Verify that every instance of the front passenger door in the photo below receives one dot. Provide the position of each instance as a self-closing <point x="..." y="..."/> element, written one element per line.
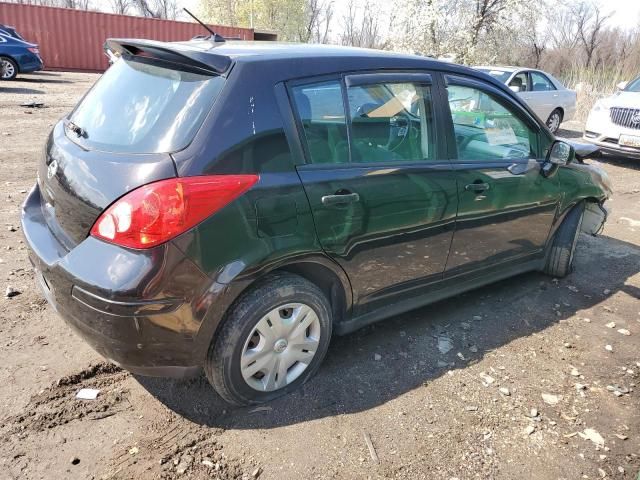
<point x="506" y="207"/>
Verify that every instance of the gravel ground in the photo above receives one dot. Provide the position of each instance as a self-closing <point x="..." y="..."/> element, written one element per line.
<point x="510" y="381"/>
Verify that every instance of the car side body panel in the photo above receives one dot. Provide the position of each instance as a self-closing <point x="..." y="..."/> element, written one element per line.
<point x="132" y="304"/>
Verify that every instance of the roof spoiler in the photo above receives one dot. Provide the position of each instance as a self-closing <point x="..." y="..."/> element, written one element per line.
<point x="206" y="62"/>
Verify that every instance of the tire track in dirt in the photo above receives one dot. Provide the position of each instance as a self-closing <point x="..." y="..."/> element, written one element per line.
<point x="56" y="405"/>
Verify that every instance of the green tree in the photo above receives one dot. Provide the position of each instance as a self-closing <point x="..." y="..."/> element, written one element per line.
<point x="292" y="20"/>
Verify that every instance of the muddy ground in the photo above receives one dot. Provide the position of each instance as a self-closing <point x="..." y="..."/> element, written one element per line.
<point x="528" y="389"/>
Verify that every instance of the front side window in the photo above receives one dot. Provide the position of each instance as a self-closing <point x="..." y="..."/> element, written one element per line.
<point x="485" y="129"/>
<point x="321" y="112"/>
<point x="541" y="83"/>
<point x="391" y="122"/>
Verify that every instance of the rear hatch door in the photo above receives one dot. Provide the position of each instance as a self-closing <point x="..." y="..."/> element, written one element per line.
<point x="119" y="137"/>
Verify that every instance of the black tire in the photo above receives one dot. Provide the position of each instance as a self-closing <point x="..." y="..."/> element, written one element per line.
<point x="223" y="362"/>
<point x="554" y="120"/>
<point x="560" y="255"/>
<point x="13" y="65"/>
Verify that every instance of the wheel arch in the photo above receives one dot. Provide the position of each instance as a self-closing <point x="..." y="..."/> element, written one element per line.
<point x="317" y="269"/>
<point x="330" y="278"/>
<point x="567" y="208"/>
<point x="10" y="57"/>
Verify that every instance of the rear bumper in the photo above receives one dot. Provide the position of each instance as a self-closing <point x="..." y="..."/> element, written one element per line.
<point x="30" y="63"/>
<point x="142" y="310"/>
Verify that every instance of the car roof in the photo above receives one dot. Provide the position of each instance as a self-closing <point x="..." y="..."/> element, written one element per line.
<point x="500" y="69"/>
<point x="218" y="56"/>
<point x="264" y="50"/>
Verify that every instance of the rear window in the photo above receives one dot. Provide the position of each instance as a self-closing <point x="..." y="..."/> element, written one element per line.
<point x="142" y="108"/>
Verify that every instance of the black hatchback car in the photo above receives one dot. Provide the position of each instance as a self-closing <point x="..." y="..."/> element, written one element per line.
<point x="231" y="205"/>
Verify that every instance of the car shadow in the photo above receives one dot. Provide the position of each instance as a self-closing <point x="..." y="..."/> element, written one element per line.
<point x="20" y="90"/>
<point x="352" y="380"/>
<point x="39" y="79"/>
<point x="570" y="134"/>
<point x="624" y="162"/>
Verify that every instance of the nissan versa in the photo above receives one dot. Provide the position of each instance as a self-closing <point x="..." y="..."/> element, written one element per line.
<point x="231" y="205"/>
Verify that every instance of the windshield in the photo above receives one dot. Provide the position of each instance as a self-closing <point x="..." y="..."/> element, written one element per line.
<point x="499" y="75"/>
<point x="633" y="86"/>
<point x="143" y="108"/>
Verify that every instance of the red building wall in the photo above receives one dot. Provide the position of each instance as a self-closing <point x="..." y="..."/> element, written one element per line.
<point x="73" y="39"/>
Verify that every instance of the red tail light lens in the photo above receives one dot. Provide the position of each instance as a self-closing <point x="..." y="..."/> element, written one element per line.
<point x="157" y="212"/>
<point x="34" y="50"/>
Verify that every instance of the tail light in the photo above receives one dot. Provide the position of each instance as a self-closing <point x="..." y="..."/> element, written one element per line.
<point x="157" y="212"/>
<point x="34" y="50"/>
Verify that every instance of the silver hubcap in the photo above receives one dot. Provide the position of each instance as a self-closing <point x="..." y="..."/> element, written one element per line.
<point x="280" y="347"/>
<point x="7" y="69"/>
<point x="554" y="122"/>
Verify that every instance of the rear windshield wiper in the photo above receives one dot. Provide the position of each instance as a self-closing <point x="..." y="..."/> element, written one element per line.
<point x="79" y="131"/>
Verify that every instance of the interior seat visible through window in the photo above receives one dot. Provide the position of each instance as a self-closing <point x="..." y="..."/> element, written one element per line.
<point x="321" y="112"/>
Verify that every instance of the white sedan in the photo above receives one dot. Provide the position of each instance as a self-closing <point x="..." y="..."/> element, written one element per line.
<point x="614" y="122"/>
<point x="547" y="97"/>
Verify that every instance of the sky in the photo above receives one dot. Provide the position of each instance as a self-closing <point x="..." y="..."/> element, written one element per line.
<point x="625" y="13"/>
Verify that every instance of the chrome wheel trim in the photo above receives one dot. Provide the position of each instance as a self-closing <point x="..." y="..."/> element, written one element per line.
<point x="7" y="69"/>
<point x="280" y="347"/>
<point x="554" y="122"/>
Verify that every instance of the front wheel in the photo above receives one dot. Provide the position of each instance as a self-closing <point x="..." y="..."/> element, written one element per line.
<point x="562" y="250"/>
<point x="272" y="340"/>
<point x="554" y="120"/>
<point x="8" y="69"/>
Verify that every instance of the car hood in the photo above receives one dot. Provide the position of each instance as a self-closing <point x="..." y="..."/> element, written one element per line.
<point x="623" y="99"/>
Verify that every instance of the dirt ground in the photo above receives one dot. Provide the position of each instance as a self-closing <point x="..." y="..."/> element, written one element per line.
<point x="526" y="390"/>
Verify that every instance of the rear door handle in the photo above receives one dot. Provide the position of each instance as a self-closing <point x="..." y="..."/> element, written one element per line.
<point x="477" y="187"/>
<point x="340" y="198"/>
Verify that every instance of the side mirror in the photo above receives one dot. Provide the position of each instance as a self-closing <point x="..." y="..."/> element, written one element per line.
<point x="560" y="154"/>
<point x="622" y="85"/>
<point x="514" y="88"/>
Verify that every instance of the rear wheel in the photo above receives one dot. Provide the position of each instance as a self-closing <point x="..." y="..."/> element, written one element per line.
<point x="272" y="341"/>
<point x="562" y="250"/>
<point x="8" y="69"/>
<point x="554" y="120"/>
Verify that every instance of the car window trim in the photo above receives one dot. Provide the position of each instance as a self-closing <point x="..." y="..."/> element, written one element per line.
<point x="502" y="98"/>
<point x="358" y="80"/>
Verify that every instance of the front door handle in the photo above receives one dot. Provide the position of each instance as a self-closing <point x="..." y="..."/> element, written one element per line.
<point x="477" y="187"/>
<point x="340" y="198"/>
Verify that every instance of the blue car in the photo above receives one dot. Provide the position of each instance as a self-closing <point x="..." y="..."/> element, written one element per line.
<point x="17" y="55"/>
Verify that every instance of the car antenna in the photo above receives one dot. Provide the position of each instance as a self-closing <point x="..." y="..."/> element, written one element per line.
<point x="214" y="36"/>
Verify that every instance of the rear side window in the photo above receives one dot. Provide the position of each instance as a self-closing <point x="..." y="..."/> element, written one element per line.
<point x="541" y="83"/>
<point x="142" y="108"/>
<point x="391" y="122"/>
<point x="321" y="111"/>
<point x="485" y="129"/>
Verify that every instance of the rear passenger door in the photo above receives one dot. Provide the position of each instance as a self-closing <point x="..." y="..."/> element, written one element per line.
<point x="506" y="207"/>
<point x="543" y="97"/>
<point x="382" y="193"/>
